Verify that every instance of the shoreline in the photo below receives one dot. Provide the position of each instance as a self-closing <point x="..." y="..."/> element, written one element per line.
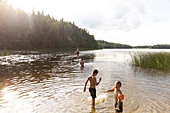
<point x="47" y="51"/>
<point x="38" y="51"/>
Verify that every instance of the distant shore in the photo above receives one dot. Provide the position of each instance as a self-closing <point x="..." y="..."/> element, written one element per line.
<point x="112" y="45"/>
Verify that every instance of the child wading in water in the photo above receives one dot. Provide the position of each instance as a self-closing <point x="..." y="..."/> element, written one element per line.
<point x="93" y="83"/>
<point x="82" y="63"/>
<point x="77" y="55"/>
<point x="118" y="97"/>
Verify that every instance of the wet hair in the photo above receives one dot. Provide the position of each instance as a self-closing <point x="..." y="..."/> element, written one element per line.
<point x="118" y="82"/>
<point x="95" y="71"/>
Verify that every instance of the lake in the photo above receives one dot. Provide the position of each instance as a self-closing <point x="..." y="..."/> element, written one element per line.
<point x="51" y="83"/>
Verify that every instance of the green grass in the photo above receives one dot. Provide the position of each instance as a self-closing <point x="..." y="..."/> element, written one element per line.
<point x="4" y="53"/>
<point x="153" y="60"/>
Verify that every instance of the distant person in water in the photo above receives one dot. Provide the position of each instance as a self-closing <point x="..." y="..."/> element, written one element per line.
<point x="77" y="56"/>
<point x="82" y="63"/>
<point x="118" y="97"/>
<point x="93" y="84"/>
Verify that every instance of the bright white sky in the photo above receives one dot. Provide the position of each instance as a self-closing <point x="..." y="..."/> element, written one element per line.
<point x="133" y="22"/>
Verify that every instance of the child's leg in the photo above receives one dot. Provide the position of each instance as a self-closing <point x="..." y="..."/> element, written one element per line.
<point x="115" y="111"/>
<point x="115" y="107"/>
<point x="93" y="102"/>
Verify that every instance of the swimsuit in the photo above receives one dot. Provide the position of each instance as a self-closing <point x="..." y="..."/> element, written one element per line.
<point x="121" y="97"/>
<point x="92" y="92"/>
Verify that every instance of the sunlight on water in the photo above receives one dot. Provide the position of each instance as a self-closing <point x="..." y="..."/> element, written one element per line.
<point x="8" y="95"/>
<point x="51" y="83"/>
<point x="12" y="103"/>
<point x="99" y="98"/>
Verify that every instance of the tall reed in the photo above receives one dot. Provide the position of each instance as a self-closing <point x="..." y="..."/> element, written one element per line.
<point x="4" y="53"/>
<point x="154" y="60"/>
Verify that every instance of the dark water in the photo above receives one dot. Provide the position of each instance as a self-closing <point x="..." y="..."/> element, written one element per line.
<point x="51" y="83"/>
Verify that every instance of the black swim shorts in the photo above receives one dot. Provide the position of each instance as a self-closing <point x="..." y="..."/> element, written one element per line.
<point x="92" y="92"/>
<point x="120" y="107"/>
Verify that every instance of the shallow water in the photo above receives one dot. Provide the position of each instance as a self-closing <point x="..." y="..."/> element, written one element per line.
<point x="51" y="83"/>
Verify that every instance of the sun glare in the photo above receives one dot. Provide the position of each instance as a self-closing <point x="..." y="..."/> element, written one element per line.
<point x="8" y="95"/>
<point x="26" y="5"/>
<point x="13" y="102"/>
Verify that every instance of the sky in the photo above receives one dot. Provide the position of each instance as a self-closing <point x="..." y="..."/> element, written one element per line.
<point x="132" y="22"/>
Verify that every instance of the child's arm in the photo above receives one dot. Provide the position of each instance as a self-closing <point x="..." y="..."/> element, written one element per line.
<point x="97" y="83"/>
<point x="110" y="90"/>
<point x="86" y="84"/>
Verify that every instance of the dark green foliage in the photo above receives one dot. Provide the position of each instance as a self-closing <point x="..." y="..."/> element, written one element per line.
<point x="158" y="46"/>
<point x="142" y="46"/>
<point x="104" y="44"/>
<point x="165" y="46"/>
<point x="22" y="31"/>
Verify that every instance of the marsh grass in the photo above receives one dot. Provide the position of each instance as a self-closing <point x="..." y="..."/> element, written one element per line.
<point x="4" y="53"/>
<point x="154" y="60"/>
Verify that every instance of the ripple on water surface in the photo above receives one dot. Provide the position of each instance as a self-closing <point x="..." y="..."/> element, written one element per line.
<point x="53" y="83"/>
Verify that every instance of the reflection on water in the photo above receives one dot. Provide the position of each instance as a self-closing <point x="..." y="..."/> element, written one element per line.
<point x="54" y="83"/>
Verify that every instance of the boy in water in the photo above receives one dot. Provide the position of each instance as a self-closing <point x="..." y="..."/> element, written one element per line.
<point x="118" y="97"/>
<point x="82" y="63"/>
<point x="77" y="51"/>
<point x="93" y="84"/>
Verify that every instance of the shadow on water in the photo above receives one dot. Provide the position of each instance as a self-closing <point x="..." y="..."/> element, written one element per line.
<point x="31" y="81"/>
<point x="40" y="66"/>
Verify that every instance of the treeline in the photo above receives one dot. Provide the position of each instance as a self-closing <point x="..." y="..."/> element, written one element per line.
<point x="166" y="46"/>
<point x="142" y="46"/>
<point x="105" y="44"/>
<point x="23" y="31"/>
<point x="158" y="46"/>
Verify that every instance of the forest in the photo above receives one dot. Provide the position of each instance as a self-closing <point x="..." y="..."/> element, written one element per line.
<point x="105" y="44"/>
<point x="158" y="46"/>
<point x="37" y="31"/>
<point x="161" y="46"/>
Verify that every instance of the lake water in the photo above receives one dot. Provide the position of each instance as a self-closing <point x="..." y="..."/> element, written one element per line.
<point x="52" y="83"/>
